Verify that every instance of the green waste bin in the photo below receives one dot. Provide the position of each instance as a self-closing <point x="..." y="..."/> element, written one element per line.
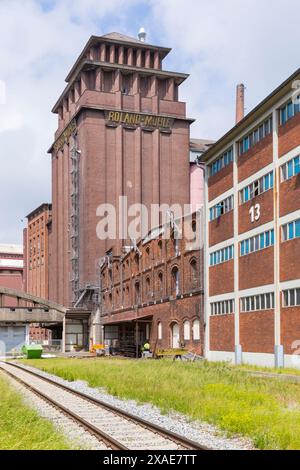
<point x="33" y="351"/>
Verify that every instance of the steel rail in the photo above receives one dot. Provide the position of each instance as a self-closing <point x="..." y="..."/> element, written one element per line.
<point x="177" y="438"/>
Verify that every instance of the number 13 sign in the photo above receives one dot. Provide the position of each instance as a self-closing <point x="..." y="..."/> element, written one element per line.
<point x="255" y="213"/>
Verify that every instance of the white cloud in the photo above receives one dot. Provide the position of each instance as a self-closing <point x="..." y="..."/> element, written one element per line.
<point x="37" y="49"/>
<point x="220" y="43"/>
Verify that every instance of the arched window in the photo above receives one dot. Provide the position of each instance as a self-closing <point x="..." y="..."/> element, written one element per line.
<point x="196" y="330"/>
<point x="148" y="255"/>
<point x="186" y="331"/>
<point x="160" y="248"/>
<point x="137" y="293"/>
<point x="194" y="273"/>
<point x="161" y="281"/>
<point x="159" y="330"/>
<point x="148" y="287"/>
<point x="175" y="280"/>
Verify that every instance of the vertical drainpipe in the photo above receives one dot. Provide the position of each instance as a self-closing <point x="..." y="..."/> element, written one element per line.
<point x="206" y="268"/>
<point x="279" y="352"/>
<point x="238" y="347"/>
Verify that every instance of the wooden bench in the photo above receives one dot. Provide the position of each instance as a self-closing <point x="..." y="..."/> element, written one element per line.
<point x="173" y="353"/>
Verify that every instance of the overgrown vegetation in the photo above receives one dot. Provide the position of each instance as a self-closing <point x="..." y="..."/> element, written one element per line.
<point x="266" y="410"/>
<point x="21" y="428"/>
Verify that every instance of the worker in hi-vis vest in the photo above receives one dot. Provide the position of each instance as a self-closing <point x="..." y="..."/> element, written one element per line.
<point x="146" y="347"/>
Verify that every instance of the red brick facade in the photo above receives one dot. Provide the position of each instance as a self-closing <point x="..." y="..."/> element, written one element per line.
<point x="144" y="156"/>
<point x="256" y="275"/>
<point x="141" y="287"/>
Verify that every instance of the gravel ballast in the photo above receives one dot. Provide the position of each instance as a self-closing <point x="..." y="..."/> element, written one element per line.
<point x="206" y="434"/>
<point x="76" y="436"/>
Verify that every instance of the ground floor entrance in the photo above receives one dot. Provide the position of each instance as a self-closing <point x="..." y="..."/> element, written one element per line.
<point x="127" y="338"/>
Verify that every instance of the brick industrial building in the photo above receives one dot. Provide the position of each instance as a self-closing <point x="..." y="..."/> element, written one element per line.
<point x="253" y="235"/>
<point x="122" y="131"/>
<point x="155" y="291"/>
<point x="11" y="268"/>
<point x="36" y="251"/>
<point x="36" y="262"/>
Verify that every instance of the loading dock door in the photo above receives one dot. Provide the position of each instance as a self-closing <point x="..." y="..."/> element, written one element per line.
<point x="12" y="338"/>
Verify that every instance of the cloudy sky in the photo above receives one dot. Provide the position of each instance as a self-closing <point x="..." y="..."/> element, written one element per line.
<point x="220" y="43"/>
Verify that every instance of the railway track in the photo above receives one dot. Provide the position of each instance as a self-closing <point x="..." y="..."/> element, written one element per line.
<point x="117" y="429"/>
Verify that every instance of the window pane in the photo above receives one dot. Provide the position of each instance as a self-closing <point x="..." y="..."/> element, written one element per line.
<point x="262" y="241"/>
<point x="246" y="194"/>
<point x="267" y="239"/>
<point x="257" y="243"/>
<point x="297" y="228"/>
<point x="291" y="231"/>
<point x="272" y="180"/>
<point x="284" y="233"/>
<point x="297" y="296"/>
<point x="268" y="301"/>
<point x="290" y="110"/>
<point x="272" y="237"/>
<point x="263" y="302"/>
<point x="284" y="172"/>
<point x="292" y="298"/>
<point x="290" y="169"/>
<point x="267" y="182"/>
<point x="283" y="115"/>
<point x="297" y="165"/>
<point x="242" y="248"/>
<point x="286" y="298"/>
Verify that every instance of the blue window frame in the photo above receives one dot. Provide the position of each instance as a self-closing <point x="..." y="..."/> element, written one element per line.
<point x="291" y="230"/>
<point x="257" y="187"/>
<point x="288" y="111"/>
<point x="221" y="208"/>
<point x="221" y="256"/>
<point x="290" y="169"/>
<point x="257" y="243"/>
<point x="256" y="136"/>
<point x="223" y="161"/>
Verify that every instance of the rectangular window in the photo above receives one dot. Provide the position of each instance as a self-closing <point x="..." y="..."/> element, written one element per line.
<point x="290" y="169"/>
<point x="222" y="208"/>
<point x="221" y="256"/>
<point x="256" y="136"/>
<point x="291" y="231"/>
<point x="221" y="162"/>
<point x="222" y="308"/>
<point x="257" y="243"/>
<point x="288" y="111"/>
<point x="257" y="303"/>
<point x="257" y="187"/>
<point x="291" y="298"/>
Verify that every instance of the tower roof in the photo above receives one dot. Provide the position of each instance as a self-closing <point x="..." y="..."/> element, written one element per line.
<point x="115" y="38"/>
<point x="123" y="38"/>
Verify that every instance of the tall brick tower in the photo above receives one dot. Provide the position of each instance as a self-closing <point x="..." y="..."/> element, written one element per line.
<point x="121" y="132"/>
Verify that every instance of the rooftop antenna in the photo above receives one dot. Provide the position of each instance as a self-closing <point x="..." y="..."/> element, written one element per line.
<point x="142" y="35"/>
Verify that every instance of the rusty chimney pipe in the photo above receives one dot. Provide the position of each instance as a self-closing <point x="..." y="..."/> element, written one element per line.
<point x="240" y="102"/>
